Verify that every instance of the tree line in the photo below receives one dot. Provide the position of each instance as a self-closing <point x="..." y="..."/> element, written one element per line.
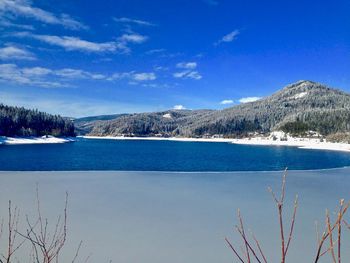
<point x="18" y="121"/>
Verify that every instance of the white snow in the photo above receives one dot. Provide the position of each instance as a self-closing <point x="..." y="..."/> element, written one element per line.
<point x="279" y="138"/>
<point x="33" y="140"/>
<point x="167" y="116"/>
<point x="300" y="95"/>
<point x="182" y="139"/>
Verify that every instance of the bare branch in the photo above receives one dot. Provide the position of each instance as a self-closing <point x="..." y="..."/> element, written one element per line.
<point x="259" y="247"/>
<point x="241" y="231"/>
<point x="234" y="250"/>
<point x="247" y="244"/>
<point x="331" y="245"/>
<point x="292" y="224"/>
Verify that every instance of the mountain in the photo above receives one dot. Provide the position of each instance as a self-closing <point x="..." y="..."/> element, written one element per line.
<point x="16" y="121"/>
<point x="86" y="124"/>
<point x="305" y="104"/>
<point x="166" y="123"/>
<point x="297" y="108"/>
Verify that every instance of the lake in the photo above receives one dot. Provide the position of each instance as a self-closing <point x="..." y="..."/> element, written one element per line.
<point x="157" y="217"/>
<point x="145" y="155"/>
<point x="174" y="202"/>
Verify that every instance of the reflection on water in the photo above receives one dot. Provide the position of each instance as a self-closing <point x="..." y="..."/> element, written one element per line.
<point x="176" y="217"/>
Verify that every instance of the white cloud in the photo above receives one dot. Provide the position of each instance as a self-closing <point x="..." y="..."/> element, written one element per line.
<point x="180" y="75"/>
<point x="133" y="76"/>
<point x="133" y="21"/>
<point x="4" y="22"/>
<point x="144" y="76"/>
<point x="249" y="99"/>
<point x="225" y="102"/>
<point x="36" y="71"/>
<point x="119" y="75"/>
<point x="75" y="43"/>
<point x="179" y="107"/>
<point x="133" y="38"/>
<point x="24" y="8"/>
<point x="194" y="75"/>
<point x="160" y="68"/>
<point x="55" y="78"/>
<point x="155" y="85"/>
<point x="229" y="37"/>
<point x="44" y="77"/>
<point x="13" y="74"/>
<point x="188" y="74"/>
<point x="97" y="76"/>
<point x="187" y="65"/>
<point x="70" y="73"/>
<point x="15" y="53"/>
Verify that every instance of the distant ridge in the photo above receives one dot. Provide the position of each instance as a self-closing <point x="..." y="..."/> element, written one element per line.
<point x="86" y="124"/>
<point x="298" y="107"/>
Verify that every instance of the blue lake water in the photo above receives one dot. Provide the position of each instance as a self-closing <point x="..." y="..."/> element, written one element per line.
<point x="143" y="155"/>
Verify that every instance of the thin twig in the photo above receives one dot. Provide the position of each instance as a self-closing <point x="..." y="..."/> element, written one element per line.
<point x="331" y="245"/>
<point x="259" y="247"/>
<point x="292" y="224"/>
<point x="241" y="231"/>
<point x="234" y="250"/>
<point x="247" y="244"/>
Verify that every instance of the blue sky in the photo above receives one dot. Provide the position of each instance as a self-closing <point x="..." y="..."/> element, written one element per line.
<point x="80" y="58"/>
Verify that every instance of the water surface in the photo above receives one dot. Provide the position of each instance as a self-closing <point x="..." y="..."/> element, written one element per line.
<point x="144" y="155"/>
<point x="157" y="217"/>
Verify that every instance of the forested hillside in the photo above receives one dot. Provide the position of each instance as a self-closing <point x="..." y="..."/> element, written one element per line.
<point x="167" y="123"/>
<point x="297" y="108"/>
<point x="306" y="104"/>
<point x="86" y="124"/>
<point x="15" y="121"/>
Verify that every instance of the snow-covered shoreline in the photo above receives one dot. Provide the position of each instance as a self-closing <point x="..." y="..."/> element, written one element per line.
<point x="33" y="140"/>
<point x="303" y="143"/>
<point x="179" y="139"/>
<point x="279" y="138"/>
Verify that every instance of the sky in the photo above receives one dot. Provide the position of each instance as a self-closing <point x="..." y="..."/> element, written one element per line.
<point x="81" y="58"/>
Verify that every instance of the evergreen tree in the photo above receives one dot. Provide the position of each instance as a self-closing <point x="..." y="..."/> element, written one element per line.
<point x="18" y="121"/>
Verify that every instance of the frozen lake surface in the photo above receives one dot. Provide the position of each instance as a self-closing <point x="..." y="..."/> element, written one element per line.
<point x="159" y="217"/>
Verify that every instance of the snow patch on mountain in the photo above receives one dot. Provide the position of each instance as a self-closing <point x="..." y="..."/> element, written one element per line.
<point x="300" y="95"/>
<point x="167" y="116"/>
